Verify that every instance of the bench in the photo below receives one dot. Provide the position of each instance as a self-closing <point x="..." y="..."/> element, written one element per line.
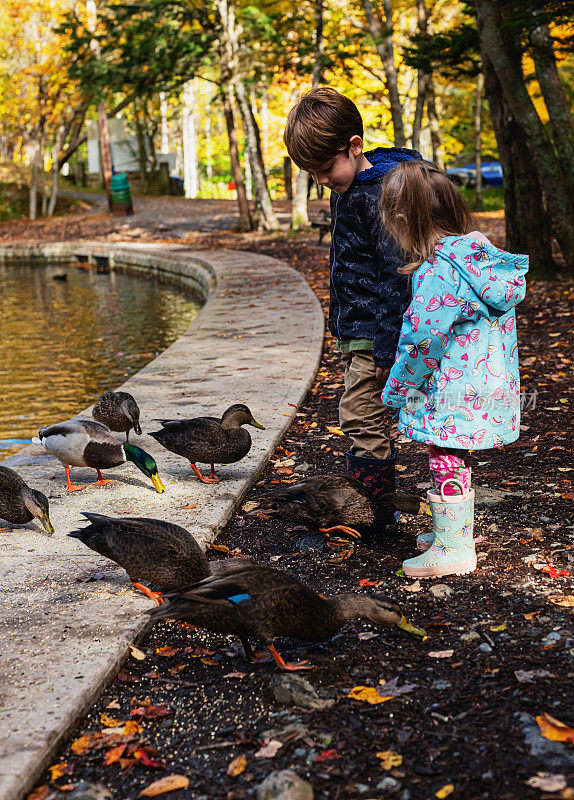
<point x="323" y="223"/>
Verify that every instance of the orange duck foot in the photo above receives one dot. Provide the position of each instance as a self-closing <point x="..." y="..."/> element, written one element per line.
<point x="211" y="479"/>
<point x="157" y="597"/>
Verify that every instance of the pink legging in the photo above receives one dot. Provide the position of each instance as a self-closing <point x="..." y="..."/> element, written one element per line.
<point x="446" y="463"/>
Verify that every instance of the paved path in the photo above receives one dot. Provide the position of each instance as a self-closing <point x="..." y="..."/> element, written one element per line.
<point x="258" y="340"/>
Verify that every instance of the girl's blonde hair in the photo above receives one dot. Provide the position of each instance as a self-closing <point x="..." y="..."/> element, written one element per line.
<point x="420" y="205"/>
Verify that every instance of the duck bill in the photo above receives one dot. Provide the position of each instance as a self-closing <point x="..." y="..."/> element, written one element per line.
<point x="158" y="485"/>
<point x="405" y="625"/>
<point x="256" y="424"/>
<point x="137" y="429"/>
<point x="46" y="524"/>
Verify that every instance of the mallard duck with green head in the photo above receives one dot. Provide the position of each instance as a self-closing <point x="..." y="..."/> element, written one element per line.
<point x="208" y="439"/>
<point x="119" y="412"/>
<point x="19" y="503"/>
<point x="86" y="443"/>
<point x="337" y="503"/>
<point x="266" y="603"/>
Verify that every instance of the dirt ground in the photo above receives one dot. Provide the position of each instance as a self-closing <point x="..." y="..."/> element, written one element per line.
<point x="461" y="718"/>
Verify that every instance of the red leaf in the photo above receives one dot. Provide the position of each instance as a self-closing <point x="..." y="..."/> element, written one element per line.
<point x="327" y="755"/>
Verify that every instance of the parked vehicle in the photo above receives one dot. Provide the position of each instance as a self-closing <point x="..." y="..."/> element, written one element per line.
<point x="466" y="175"/>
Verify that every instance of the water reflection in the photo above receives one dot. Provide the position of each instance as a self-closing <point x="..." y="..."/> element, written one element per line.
<point x="63" y="343"/>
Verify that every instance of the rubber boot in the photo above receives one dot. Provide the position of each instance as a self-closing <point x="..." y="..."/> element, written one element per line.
<point x="378" y="474"/>
<point x="452" y="551"/>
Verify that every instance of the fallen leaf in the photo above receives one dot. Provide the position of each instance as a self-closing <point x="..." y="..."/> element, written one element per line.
<point x="367" y="582"/>
<point x="84" y="744"/>
<point x="367" y="694"/>
<point x="365" y="635"/>
<point x="326" y="755"/>
<point x="142" y="754"/>
<point x="392" y="689"/>
<point x="249" y="506"/>
<point x="445" y="791"/>
<point x="400" y="468"/>
<point x="390" y="759"/>
<point x="441" y="590"/>
<point x="40" y="793"/>
<point x="284" y="471"/>
<point x="335" y="430"/>
<point x="137" y="653"/>
<point x="269" y="749"/>
<point x="114" y="755"/>
<point x="238" y="675"/>
<point x="210" y="662"/>
<point x="110" y="722"/>
<point x="114" y="704"/>
<point x="237" y="766"/>
<point x="530" y="675"/>
<point x="553" y="729"/>
<point x="441" y="654"/>
<point x="60" y="769"/>
<point x="188" y="508"/>
<point x="566" y="600"/>
<point x="151" y="712"/>
<point x="547" y="782"/>
<point x="132" y="727"/>
<point x="167" y="651"/>
<point x="221" y="548"/>
<point x="555" y="573"/>
<point x="498" y="628"/>
<point x="167" y="784"/>
<point x="413" y="587"/>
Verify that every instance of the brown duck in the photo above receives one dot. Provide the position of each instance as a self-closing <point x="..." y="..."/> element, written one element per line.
<point x="264" y="603"/>
<point x="19" y="503"/>
<point x="209" y="440"/>
<point x="149" y="550"/>
<point x="332" y="503"/>
<point x="119" y="411"/>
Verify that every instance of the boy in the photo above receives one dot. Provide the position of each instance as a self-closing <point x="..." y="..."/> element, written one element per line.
<point x="324" y="136"/>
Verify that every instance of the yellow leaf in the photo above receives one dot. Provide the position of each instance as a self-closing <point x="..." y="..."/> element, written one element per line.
<point x="237" y="766"/>
<point x="445" y="791"/>
<point x="132" y="727"/>
<point x="390" y="759"/>
<point x="167" y="784"/>
<point x="58" y="770"/>
<point x="498" y="628"/>
<point x="137" y="653"/>
<point x="335" y="430"/>
<point x="110" y="722"/>
<point x="367" y="694"/>
<point x="566" y="600"/>
<point x="554" y="730"/>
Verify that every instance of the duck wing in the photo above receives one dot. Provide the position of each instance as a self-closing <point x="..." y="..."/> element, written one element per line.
<point x="12" y="505"/>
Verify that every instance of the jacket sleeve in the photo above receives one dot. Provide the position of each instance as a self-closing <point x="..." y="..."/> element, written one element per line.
<point x="423" y="340"/>
<point x="393" y="293"/>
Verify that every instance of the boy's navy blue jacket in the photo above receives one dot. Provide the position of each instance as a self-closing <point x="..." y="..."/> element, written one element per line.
<point x="368" y="297"/>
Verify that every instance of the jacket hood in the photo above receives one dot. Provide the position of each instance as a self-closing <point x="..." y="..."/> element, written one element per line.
<point x="383" y="159"/>
<point x="496" y="277"/>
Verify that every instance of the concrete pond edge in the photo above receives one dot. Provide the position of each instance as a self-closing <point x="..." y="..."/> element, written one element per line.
<point x="258" y="339"/>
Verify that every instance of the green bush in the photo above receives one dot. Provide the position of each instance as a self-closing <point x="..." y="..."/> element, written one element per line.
<point x="492" y="198"/>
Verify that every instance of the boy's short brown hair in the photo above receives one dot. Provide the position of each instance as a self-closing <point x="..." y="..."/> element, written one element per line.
<point x="320" y="126"/>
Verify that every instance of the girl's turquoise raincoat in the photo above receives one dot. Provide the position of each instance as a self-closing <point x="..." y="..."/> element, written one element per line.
<point x="455" y="377"/>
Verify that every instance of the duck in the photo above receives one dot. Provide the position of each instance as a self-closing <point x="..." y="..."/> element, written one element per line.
<point x="266" y="603"/>
<point x="208" y="439"/>
<point x="19" y="503"/>
<point x="119" y="411"/>
<point x="330" y="503"/>
<point x="150" y="550"/>
<point x="86" y="443"/>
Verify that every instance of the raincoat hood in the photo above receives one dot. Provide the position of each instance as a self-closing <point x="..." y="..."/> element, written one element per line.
<point x="497" y="278"/>
<point x="383" y="159"/>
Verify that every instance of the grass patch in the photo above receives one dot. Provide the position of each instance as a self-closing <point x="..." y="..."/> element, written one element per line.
<point x="492" y="198"/>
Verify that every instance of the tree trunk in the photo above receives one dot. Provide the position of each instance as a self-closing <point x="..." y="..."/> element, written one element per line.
<point x="56" y="169"/>
<point x="478" y="139"/>
<point x="230" y="35"/>
<point x="385" y="48"/>
<point x="419" y="110"/>
<point x="434" y="124"/>
<point x="189" y="136"/>
<point x="299" y="211"/>
<point x="288" y="177"/>
<point x="555" y="97"/>
<point x="506" y="59"/>
<point x="34" y="179"/>
<point x="527" y="227"/>
<point x="245" y="223"/>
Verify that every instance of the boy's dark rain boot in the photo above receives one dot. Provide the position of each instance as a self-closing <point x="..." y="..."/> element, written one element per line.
<point x="378" y="474"/>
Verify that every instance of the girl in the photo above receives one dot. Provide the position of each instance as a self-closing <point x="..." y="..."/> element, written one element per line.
<point x="455" y="377"/>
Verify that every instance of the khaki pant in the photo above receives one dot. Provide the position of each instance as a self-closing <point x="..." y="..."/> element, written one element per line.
<point x="362" y="415"/>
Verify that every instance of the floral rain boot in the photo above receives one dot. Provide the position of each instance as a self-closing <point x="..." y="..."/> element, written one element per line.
<point x="452" y="550"/>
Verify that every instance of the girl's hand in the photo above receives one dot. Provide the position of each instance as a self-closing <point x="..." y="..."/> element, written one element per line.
<point x="382" y="373"/>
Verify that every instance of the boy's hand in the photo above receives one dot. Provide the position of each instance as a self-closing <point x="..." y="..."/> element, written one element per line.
<point x="382" y="373"/>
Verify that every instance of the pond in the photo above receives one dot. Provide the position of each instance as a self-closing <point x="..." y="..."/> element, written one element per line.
<point x="65" y="342"/>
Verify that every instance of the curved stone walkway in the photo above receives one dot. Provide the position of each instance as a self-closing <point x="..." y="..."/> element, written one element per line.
<point x="258" y="340"/>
